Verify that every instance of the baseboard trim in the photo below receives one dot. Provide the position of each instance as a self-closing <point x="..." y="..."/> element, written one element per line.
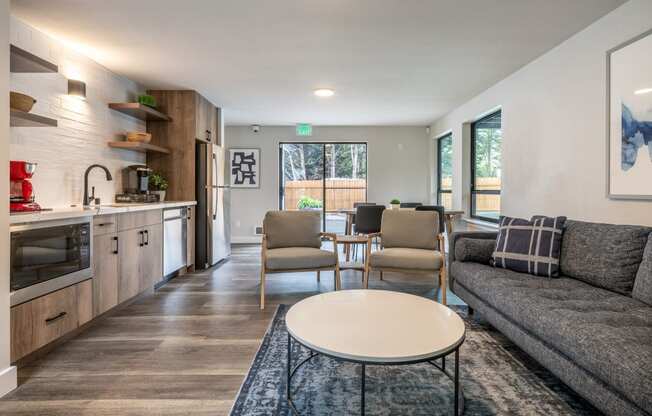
<point x="250" y="239"/>
<point x="8" y="380"/>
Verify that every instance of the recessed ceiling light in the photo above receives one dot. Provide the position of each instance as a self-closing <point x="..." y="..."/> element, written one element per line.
<point x="324" y="92"/>
<point x="643" y="91"/>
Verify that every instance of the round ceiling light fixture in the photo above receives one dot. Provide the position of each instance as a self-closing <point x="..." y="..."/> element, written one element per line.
<point x="324" y="92"/>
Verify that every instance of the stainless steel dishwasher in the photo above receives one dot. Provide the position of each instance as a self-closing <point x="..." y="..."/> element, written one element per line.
<point x="175" y="223"/>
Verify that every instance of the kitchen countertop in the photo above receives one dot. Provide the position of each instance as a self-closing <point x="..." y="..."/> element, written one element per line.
<point x="79" y="211"/>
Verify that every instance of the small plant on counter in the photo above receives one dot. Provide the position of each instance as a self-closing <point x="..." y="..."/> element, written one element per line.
<point x="395" y="203"/>
<point x="158" y="185"/>
<point x="305" y="202"/>
<point x="157" y="182"/>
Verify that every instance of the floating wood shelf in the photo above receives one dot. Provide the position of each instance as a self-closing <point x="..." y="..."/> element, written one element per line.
<point x="139" y="111"/>
<point x="139" y="147"/>
<point x="23" y="61"/>
<point x="23" y="119"/>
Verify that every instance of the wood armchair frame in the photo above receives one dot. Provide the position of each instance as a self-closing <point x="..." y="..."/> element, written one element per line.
<point x="441" y="273"/>
<point x="264" y="270"/>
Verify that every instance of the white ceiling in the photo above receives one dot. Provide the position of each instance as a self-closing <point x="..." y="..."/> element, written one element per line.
<point x="391" y="62"/>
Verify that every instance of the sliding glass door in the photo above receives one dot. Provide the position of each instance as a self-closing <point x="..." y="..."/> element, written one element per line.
<point x="326" y="177"/>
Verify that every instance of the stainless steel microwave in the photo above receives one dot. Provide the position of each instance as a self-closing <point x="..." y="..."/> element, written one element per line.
<point x="48" y="256"/>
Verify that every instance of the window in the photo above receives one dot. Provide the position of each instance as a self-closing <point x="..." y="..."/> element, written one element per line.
<point x="325" y="177"/>
<point x="486" y="150"/>
<point x="445" y="171"/>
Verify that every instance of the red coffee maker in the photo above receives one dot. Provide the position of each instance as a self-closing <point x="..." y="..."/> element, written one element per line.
<point x="21" y="192"/>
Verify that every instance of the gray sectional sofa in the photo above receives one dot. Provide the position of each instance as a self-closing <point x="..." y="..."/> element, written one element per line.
<point x="592" y="326"/>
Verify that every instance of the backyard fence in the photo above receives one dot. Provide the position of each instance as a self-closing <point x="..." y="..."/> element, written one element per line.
<point x="484" y="203"/>
<point x="340" y="193"/>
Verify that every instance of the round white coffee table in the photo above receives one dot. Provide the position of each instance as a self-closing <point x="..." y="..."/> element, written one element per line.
<point x="376" y="327"/>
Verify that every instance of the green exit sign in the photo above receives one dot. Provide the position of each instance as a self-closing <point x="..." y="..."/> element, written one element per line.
<point x="304" y="129"/>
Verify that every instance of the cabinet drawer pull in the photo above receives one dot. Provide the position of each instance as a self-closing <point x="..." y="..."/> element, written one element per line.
<point x="102" y="224"/>
<point x="55" y="318"/>
<point x="142" y="238"/>
<point x="147" y="236"/>
<point x="116" y="245"/>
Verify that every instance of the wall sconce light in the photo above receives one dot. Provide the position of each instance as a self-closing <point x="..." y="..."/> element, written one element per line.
<point x="77" y="88"/>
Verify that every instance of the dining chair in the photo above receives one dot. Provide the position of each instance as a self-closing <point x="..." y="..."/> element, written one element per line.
<point x="410" y="242"/>
<point x="292" y="243"/>
<point x="360" y="204"/>
<point x="440" y="210"/>
<point x="410" y="204"/>
<point x="368" y="219"/>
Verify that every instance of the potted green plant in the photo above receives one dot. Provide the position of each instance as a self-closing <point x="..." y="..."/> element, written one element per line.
<point x="395" y="203"/>
<point x="158" y="185"/>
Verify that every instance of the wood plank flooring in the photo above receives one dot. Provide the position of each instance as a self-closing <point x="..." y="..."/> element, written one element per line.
<point x="183" y="350"/>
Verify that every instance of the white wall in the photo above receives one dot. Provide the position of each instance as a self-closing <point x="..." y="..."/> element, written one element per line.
<point x="7" y="372"/>
<point x="397" y="164"/>
<point x="554" y="151"/>
<point x="85" y="126"/>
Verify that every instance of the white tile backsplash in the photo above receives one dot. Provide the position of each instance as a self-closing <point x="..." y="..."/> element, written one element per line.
<point x="85" y="126"/>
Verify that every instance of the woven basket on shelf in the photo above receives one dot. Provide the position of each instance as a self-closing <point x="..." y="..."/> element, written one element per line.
<point x="21" y="102"/>
<point x="137" y="136"/>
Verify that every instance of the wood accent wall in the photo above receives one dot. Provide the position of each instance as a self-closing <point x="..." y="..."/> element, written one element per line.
<point x="178" y="136"/>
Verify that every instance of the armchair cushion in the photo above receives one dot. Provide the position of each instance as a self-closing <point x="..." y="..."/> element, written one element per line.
<point x="290" y="258"/>
<point x="410" y="229"/>
<point x="406" y="258"/>
<point x="292" y="229"/>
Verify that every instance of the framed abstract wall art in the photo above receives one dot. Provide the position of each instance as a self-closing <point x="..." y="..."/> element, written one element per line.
<point x="244" y="168"/>
<point x="629" y="119"/>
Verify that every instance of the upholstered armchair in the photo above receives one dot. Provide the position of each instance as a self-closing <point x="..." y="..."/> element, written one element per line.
<point x="410" y="242"/>
<point x="292" y="243"/>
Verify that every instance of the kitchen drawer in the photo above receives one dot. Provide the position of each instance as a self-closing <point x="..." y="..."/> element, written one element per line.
<point x="104" y="224"/>
<point x="138" y="219"/>
<point x="42" y="320"/>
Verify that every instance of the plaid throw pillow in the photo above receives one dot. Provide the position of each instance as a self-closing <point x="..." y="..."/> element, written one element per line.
<point x="532" y="247"/>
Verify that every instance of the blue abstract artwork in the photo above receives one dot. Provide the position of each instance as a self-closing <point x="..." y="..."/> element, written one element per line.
<point x="635" y="134"/>
<point x="629" y="124"/>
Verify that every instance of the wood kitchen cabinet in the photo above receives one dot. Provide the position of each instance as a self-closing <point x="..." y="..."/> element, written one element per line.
<point x="130" y="248"/>
<point x="151" y="257"/>
<point x="206" y="121"/>
<point x="140" y="239"/>
<point x="141" y="260"/>
<point x="105" y="263"/>
<point x="105" y="272"/>
<point x="44" y="319"/>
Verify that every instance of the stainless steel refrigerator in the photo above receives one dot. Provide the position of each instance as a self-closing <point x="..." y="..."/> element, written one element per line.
<point x="213" y="225"/>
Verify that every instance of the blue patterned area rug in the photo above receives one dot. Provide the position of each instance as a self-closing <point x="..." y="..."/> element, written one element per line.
<point x="497" y="377"/>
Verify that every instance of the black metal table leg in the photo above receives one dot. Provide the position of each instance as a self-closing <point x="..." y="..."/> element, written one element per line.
<point x="457" y="380"/>
<point x="289" y="366"/>
<point x="362" y="390"/>
<point x="458" y="405"/>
